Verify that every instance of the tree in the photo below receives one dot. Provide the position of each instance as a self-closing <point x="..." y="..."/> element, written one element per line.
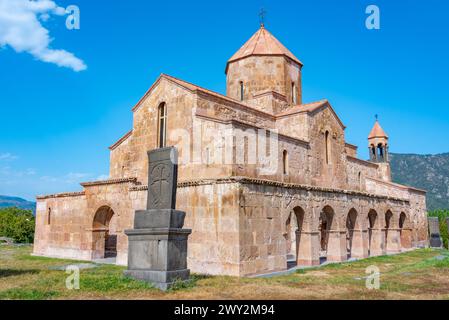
<point x="17" y="224"/>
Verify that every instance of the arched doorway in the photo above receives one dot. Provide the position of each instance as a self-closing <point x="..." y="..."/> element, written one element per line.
<point x="351" y="221"/>
<point x="294" y="228"/>
<point x="325" y="225"/>
<point x="104" y="238"/>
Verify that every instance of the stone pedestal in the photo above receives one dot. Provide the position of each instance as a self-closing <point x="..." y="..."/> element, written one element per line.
<point x="336" y="246"/>
<point x="308" y="253"/>
<point x="377" y="239"/>
<point x="157" y="251"/>
<point x="157" y="246"/>
<point x="359" y="249"/>
<point x="393" y="240"/>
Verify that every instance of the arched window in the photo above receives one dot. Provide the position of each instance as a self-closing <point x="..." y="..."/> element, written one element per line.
<point x="381" y="151"/>
<point x="327" y="143"/>
<point x="373" y="152"/>
<point x="49" y="216"/>
<point x="162" y="124"/>
<point x="242" y="90"/>
<point x="294" y="97"/>
<point x="360" y="180"/>
<point x="285" y="162"/>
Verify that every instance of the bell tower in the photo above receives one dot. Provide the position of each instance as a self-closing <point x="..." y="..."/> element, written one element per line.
<point x="379" y="150"/>
<point x="264" y="66"/>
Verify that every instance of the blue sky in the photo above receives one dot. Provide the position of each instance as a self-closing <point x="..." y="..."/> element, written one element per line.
<point x="56" y="123"/>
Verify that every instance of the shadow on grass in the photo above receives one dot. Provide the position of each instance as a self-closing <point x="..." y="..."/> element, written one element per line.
<point x="16" y="272"/>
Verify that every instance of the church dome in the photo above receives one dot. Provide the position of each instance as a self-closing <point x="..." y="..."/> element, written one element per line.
<point x="263" y="43"/>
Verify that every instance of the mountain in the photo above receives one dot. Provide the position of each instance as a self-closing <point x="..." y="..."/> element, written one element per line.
<point x="6" y="202"/>
<point x="428" y="172"/>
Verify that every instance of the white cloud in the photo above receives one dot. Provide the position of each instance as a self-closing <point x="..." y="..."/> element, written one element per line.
<point x="7" y="157"/>
<point x="21" y="29"/>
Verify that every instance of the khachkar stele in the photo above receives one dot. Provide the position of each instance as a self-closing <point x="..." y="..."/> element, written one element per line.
<point x="157" y="246"/>
<point x="434" y="231"/>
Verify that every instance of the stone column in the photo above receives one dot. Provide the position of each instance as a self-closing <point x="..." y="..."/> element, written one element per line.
<point x="377" y="244"/>
<point x="393" y="244"/>
<point x="336" y="246"/>
<point x="359" y="248"/>
<point x="406" y="238"/>
<point x="308" y="251"/>
<point x="98" y="242"/>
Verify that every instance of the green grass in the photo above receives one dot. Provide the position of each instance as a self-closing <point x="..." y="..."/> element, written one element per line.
<point x="413" y="275"/>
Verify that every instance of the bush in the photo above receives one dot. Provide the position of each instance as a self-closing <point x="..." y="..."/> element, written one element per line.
<point x="17" y="224"/>
<point x="442" y="215"/>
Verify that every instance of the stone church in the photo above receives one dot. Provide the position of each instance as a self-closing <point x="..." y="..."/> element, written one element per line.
<point x="267" y="181"/>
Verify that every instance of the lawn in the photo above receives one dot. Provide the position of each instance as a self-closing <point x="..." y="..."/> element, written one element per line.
<point x="420" y="274"/>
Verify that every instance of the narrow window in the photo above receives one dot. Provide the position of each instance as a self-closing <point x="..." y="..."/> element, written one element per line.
<point x="360" y="180"/>
<point x="241" y="90"/>
<point x="285" y="162"/>
<point x="162" y="125"/>
<point x="381" y="152"/>
<point x="49" y="216"/>
<point x="294" y="97"/>
<point x="327" y="147"/>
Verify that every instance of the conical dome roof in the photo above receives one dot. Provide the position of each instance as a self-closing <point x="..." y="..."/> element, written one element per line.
<point x="377" y="132"/>
<point x="263" y="43"/>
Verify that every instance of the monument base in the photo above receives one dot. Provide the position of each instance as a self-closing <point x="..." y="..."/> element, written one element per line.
<point x="158" y="254"/>
<point x="162" y="280"/>
<point x="436" y="242"/>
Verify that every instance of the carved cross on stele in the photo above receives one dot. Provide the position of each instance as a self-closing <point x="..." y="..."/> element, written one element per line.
<point x="160" y="176"/>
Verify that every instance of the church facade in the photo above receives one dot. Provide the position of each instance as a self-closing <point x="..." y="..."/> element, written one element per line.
<point x="267" y="181"/>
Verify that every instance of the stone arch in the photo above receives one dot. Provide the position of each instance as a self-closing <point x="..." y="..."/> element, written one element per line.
<point x="104" y="233"/>
<point x="373" y="226"/>
<point x="352" y="224"/>
<point x="327" y="223"/>
<point x="294" y="226"/>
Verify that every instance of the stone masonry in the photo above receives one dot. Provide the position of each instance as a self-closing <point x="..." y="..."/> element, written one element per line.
<point x="308" y="201"/>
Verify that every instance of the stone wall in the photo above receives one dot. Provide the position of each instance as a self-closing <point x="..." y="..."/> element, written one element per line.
<point x="261" y="73"/>
<point x="357" y="171"/>
<point x="266" y="207"/>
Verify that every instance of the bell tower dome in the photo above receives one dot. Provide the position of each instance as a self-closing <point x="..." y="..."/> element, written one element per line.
<point x="378" y="144"/>
<point x="379" y="149"/>
<point x="264" y="65"/>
